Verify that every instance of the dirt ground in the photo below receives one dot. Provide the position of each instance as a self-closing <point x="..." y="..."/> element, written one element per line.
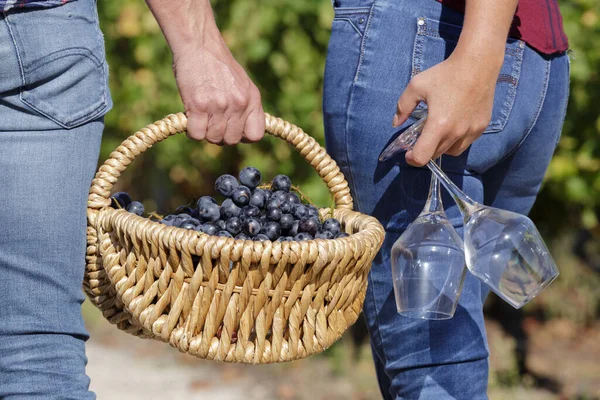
<point x="564" y="358"/>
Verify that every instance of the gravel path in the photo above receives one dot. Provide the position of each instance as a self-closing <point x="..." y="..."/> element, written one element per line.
<point x="124" y="367"/>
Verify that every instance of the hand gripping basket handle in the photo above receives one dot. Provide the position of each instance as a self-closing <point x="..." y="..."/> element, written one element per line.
<point x="139" y="142"/>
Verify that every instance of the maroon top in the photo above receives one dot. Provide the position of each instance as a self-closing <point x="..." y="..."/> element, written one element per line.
<point x="537" y="22"/>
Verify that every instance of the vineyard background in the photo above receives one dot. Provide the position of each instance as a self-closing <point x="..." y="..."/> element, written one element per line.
<point x="282" y="44"/>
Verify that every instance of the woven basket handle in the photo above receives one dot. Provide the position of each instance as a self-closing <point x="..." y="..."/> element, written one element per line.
<point x="142" y="140"/>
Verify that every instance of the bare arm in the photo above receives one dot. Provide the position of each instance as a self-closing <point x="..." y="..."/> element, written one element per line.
<point x="221" y="102"/>
<point x="459" y="92"/>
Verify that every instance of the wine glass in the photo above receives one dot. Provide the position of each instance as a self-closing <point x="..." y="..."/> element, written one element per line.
<point x="428" y="263"/>
<point x="502" y="248"/>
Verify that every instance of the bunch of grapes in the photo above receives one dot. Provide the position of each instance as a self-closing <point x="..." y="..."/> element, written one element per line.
<point x="248" y="212"/>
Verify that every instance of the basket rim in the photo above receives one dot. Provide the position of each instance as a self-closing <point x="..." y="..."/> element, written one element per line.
<point x="360" y="234"/>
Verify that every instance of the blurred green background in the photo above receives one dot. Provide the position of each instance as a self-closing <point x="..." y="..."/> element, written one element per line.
<point x="282" y="44"/>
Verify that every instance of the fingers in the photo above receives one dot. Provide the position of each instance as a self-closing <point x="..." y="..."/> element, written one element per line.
<point x="407" y="102"/>
<point x="227" y="120"/>
<point x="196" y="125"/>
<point x="254" y="129"/>
<point x="425" y="148"/>
<point x="439" y="137"/>
<point x="216" y="129"/>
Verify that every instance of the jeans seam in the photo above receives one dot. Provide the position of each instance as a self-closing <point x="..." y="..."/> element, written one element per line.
<point x="341" y="11"/>
<point x="537" y="113"/>
<point x="350" y="97"/>
<point x="363" y="41"/>
<point x="17" y="53"/>
<point x="507" y="106"/>
<point x="417" y="51"/>
<point x="380" y="337"/>
<point x="64" y="53"/>
<point x="567" y="100"/>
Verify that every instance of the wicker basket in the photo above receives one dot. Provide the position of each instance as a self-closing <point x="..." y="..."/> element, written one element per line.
<point x="223" y="299"/>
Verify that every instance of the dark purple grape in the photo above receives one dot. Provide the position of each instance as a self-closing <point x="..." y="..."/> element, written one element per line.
<point x="221" y="224"/>
<point x="252" y="226"/>
<point x="229" y="209"/>
<point x="263" y="220"/>
<point x="261" y="238"/>
<point x="281" y="182"/>
<point x="280" y="195"/>
<point x="312" y="210"/>
<point x="242" y="236"/>
<point x="209" y="212"/>
<point x="205" y="199"/>
<point x="122" y="198"/>
<point x="250" y="176"/>
<point x="195" y="213"/>
<point x="258" y="198"/>
<point x="180" y="219"/>
<point x="268" y="194"/>
<point x="285" y="239"/>
<point x="272" y="230"/>
<point x="287" y="207"/>
<point x="274" y="214"/>
<point x="251" y="211"/>
<point x="324" y="235"/>
<point x="241" y="196"/>
<point x="234" y="225"/>
<point x="308" y="225"/>
<point x="341" y="235"/>
<point x="225" y="234"/>
<point x="293" y="231"/>
<point x="226" y="184"/>
<point x="183" y="210"/>
<point x="332" y="225"/>
<point x="303" y="236"/>
<point x="286" y="221"/>
<point x="273" y="203"/>
<point x="190" y="224"/>
<point x="293" y="198"/>
<point x="300" y="211"/>
<point x="135" y="207"/>
<point x="209" y="228"/>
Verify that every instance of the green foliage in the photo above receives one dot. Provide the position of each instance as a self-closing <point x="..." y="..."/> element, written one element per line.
<point x="573" y="179"/>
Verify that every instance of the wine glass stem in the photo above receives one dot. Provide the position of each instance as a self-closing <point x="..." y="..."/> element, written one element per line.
<point x="465" y="204"/>
<point x="434" y="200"/>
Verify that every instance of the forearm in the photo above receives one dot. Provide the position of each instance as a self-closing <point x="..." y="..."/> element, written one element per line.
<point x="485" y="30"/>
<point x="221" y="103"/>
<point x="186" y="23"/>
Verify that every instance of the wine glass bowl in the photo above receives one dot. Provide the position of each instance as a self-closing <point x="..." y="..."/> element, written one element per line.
<point x="505" y="250"/>
<point x="428" y="268"/>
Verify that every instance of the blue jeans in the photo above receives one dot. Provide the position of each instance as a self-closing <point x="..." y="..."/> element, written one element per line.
<point x="53" y="95"/>
<point x="376" y="46"/>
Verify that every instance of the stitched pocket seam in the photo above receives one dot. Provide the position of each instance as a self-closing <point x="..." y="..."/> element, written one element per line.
<point x="348" y="20"/>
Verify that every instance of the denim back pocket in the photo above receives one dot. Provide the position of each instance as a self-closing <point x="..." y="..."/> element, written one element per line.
<point x="61" y="56"/>
<point x="436" y="40"/>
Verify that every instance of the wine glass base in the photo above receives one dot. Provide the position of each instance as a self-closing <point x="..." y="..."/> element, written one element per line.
<point x="426" y="314"/>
